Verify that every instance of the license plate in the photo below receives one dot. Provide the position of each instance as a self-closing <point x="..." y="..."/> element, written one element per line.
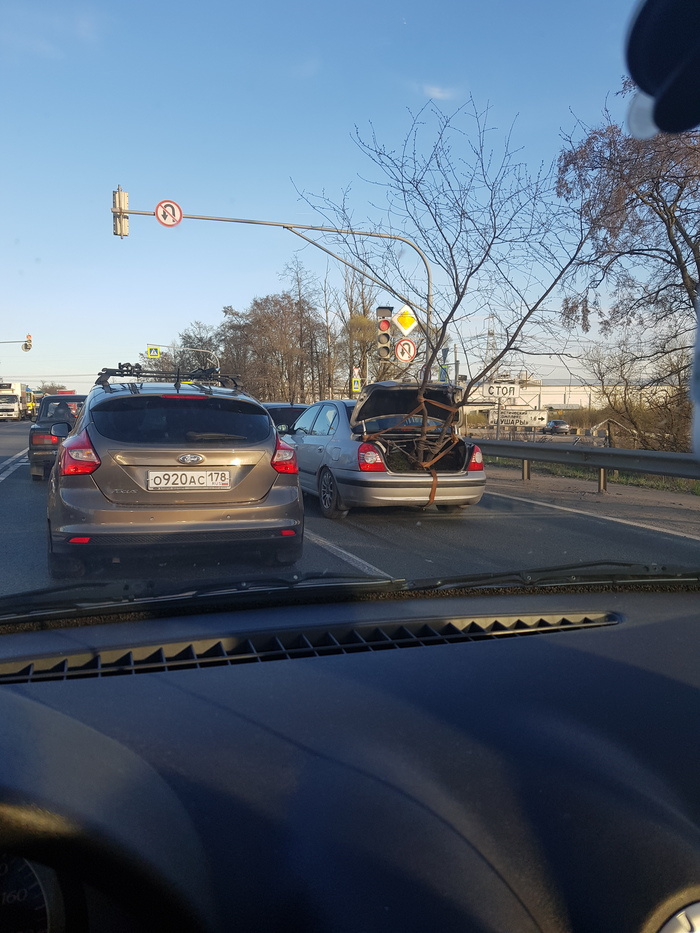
<point x="188" y="479"/>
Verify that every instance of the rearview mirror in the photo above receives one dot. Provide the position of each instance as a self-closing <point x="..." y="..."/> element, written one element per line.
<point x="62" y="429"/>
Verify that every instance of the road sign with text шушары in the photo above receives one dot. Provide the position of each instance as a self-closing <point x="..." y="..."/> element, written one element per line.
<point x="405" y="350"/>
<point x="405" y="320"/>
<point x="168" y="213"/>
<point x="153" y="353"/>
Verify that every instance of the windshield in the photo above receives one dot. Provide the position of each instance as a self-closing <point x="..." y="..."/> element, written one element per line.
<point x="480" y="364"/>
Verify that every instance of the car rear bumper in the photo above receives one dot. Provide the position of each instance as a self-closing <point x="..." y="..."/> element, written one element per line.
<point x="39" y="457"/>
<point x="73" y="514"/>
<point x="371" y="490"/>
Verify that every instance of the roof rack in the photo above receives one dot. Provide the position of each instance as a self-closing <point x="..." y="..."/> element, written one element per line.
<point x="196" y="377"/>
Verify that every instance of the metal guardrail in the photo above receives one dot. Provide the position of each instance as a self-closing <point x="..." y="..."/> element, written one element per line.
<point x="660" y="463"/>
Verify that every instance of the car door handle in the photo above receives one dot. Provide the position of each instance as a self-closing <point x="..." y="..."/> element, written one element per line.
<point x="320" y="449"/>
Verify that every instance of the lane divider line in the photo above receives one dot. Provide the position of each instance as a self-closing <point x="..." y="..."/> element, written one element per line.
<point x="603" y="518"/>
<point x="9" y="460"/>
<point x="9" y="466"/>
<point x="344" y="555"/>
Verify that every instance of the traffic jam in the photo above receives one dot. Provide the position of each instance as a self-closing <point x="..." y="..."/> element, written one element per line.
<point x="151" y="463"/>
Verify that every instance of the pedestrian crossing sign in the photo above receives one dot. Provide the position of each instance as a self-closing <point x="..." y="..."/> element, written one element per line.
<point x="153" y="353"/>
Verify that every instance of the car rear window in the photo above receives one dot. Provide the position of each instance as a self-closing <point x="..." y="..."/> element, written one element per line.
<point x="149" y="419"/>
<point x="58" y="409"/>
<point x="285" y="414"/>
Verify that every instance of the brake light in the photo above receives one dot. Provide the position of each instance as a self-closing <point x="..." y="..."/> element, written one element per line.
<point x="183" y="396"/>
<point x="369" y="459"/>
<point x="284" y="459"/>
<point x="477" y="460"/>
<point x="77" y="456"/>
<point x="43" y="439"/>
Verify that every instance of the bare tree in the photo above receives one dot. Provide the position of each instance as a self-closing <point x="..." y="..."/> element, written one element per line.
<point x="645" y="389"/>
<point x="641" y="199"/>
<point x="501" y="240"/>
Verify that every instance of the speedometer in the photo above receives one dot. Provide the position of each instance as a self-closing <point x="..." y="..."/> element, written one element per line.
<point x="30" y="897"/>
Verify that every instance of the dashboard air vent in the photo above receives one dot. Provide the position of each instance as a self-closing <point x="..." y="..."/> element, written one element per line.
<point x="288" y="644"/>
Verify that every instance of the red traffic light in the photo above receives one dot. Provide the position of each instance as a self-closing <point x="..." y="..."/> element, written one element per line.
<point x="384" y="324"/>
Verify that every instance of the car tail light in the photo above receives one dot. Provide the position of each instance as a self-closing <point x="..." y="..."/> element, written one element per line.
<point x="284" y="459"/>
<point x="77" y="456"/>
<point x="43" y="439"/>
<point x="369" y="459"/>
<point x="477" y="460"/>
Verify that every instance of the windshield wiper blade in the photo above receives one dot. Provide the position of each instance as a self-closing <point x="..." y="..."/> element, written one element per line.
<point x="120" y="596"/>
<point x="611" y="571"/>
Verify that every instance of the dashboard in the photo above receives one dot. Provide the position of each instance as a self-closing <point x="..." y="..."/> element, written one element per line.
<point x="530" y="764"/>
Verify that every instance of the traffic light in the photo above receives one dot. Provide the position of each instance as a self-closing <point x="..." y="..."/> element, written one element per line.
<point x="384" y="338"/>
<point x="384" y="333"/>
<point x="27" y="345"/>
<point x="120" y="204"/>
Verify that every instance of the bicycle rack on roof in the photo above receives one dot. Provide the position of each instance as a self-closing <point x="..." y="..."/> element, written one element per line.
<point x="195" y="377"/>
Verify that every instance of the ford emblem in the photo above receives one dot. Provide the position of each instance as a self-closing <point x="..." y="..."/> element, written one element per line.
<point x="190" y="458"/>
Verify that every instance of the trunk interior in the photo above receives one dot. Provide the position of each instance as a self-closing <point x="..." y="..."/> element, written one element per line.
<point x="401" y="454"/>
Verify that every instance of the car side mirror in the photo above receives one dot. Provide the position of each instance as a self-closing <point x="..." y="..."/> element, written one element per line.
<point x="62" y="429"/>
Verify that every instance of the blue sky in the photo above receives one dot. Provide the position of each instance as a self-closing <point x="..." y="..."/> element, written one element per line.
<point x="225" y="108"/>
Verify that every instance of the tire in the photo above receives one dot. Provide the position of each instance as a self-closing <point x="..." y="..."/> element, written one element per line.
<point x="37" y="477"/>
<point x="450" y="508"/>
<point x="328" y="498"/>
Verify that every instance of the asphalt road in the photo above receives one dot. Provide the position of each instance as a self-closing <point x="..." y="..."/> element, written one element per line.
<point x="506" y="531"/>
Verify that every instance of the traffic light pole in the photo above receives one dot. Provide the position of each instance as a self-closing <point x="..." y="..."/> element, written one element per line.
<point x="121" y="211"/>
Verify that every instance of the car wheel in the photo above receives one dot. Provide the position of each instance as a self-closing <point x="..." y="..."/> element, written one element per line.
<point x="37" y="477"/>
<point x="328" y="496"/>
<point x="451" y="508"/>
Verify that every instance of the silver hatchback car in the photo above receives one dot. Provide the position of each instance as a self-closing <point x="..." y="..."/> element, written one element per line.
<point x="151" y="465"/>
<point x="369" y="452"/>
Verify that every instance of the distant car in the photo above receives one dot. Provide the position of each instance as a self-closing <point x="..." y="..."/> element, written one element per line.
<point x="284" y="414"/>
<point x="367" y="453"/>
<point x="42" y="445"/>
<point x="557" y="427"/>
<point x="157" y="466"/>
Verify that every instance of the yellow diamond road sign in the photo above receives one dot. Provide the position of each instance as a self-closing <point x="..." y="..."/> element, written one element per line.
<point x="405" y="320"/>
<point x="153" y="353"/>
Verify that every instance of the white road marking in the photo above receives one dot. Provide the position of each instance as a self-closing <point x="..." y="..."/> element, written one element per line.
<point x="603" y="518"/>
<point x="13" y="463"/>
<point x="349" y="558"/>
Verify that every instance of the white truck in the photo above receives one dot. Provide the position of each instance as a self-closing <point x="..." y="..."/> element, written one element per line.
<point x="15" y="401"/>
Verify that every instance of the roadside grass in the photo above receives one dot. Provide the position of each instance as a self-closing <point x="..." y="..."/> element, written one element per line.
<point x="622" y="478"/>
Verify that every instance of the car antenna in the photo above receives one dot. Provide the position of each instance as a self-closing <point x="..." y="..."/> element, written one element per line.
<point x="177" y="380"/>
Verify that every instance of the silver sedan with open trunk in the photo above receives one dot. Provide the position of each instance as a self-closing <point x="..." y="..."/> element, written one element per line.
<point x="387" y="449"/>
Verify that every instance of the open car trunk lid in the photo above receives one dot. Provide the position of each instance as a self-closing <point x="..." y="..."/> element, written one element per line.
<point x="389" y="414"/>
<point x="383" y="401"/>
